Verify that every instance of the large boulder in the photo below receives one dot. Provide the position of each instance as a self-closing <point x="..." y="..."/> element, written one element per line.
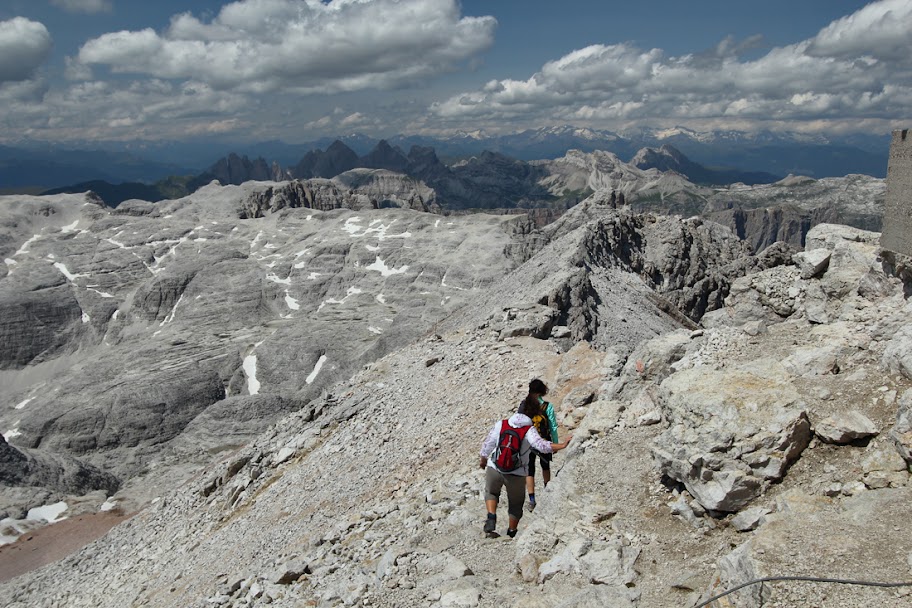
<point x="732" y="431"/>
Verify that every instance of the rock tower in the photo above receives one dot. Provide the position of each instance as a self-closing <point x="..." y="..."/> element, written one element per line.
<point x="897" y="221"/>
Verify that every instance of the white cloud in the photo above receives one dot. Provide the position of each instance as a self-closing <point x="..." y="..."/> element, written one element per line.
<point x="84" y="6"/>
<point x="153" y="109"/>
<point x="882" y="30"/>
<point x="24" y="47"/>
<point x="28" y="92"/>
<point x="76" y="70"/>
<point x="305" y="47"/>
<point x="353" y="120"/>
<point x="858" y="66"/>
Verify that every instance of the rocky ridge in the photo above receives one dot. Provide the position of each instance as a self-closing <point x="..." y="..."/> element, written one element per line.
<point x="773" y="440"/>
<point x="176" y="331"/>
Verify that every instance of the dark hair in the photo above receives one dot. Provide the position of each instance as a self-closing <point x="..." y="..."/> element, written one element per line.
<point x="537" y="386"/>
<point x="530" y="407"/>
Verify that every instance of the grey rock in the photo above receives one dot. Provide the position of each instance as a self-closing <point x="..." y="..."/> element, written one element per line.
<point x="755" y="328"/>
<point x="649" y="418"/>
<point x="528" y="568"/>
<point x="563" y="563"/>
<point x="682" y="509"/>
<point x="578" y="397"/>
<point x="611" y="565"/>
<point x="605" y="274"/>
<point x="812" y="263"/>
<point x="677" y="268"/>
<point x="832" y="236"/>
<point x="560" y="331"/>
<point x="288" y="573"/>
<point x="813" y="361"/>
<point x="749" y="519"/>
<point x="533" y="320"/>
<point x="897" y="356"/>
<point x="815" y="304"/>
<point x="852" y="259"/>
<point x="845" y="428"/>
<point x="177" y="308"/>
<point x="41" y="317"/>
<point x="598" y="596"/>
<point x="461" y="593"/>
<point x="885" y="469"/>
<point x="740" y="566"/>
<point x="58" y="472"/>
<point x="769" y="296"/>
<point x="901" y="433"/>
<point x="770" y="224"/>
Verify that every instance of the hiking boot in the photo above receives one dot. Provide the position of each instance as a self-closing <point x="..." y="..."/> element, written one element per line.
<point x="511" y="533"/>
<point x="490" y="524"/>
<point x="530" y="507"/>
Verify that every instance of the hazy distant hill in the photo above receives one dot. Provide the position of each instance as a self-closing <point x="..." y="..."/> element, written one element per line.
<point x="115" y="194"/>
<point x="54" y="168"/>
<point x="778" y="154"/>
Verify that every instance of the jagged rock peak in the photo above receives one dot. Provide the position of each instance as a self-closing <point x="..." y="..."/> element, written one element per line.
<point x="337" y="159"/>
<point x="236" y="170"/>
<point x="384" y="156"/>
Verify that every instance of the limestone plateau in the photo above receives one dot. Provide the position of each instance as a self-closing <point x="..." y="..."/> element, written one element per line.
<point x="286" y="387"/>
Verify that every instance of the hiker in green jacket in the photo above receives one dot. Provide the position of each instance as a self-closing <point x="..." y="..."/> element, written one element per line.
<point x="546" y="425"/>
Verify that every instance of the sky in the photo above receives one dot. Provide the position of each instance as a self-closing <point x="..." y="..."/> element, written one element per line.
<point x="296" y="70"/>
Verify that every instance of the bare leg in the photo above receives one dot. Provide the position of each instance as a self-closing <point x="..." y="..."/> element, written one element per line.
<point x="514" y="522"/>
<point x="491" y="505"/>
<point x="530" y="484"/>
<point x="546" y="475"/>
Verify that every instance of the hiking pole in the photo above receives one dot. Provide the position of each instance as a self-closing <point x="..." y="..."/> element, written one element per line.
<point x="811" y="579"/>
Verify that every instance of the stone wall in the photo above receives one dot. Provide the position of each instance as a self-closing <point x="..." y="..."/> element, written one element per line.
<point x="897" y="224"/>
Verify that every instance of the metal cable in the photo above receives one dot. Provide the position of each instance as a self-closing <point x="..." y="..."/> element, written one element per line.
<point x="811" y="579"/>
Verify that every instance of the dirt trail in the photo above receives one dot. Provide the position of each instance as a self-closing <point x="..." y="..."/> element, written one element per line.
<point x="51" y="543"/>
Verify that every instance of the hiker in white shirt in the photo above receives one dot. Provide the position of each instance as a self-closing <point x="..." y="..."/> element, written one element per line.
<point x="514" y="479"/>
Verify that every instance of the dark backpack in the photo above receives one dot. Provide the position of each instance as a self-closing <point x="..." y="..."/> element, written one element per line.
<point x="506" y="454"/>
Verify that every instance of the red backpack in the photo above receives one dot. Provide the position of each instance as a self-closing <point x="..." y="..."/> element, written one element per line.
<point x="506" y="454"/>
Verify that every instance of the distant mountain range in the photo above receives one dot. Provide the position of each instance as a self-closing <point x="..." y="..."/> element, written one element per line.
<point x="779" y="154"/>
<point x="490" y="180"/>
<point x="51" y="167"/>
<point x="755" y="206"/>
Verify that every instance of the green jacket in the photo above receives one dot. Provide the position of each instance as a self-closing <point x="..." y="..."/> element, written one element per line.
<point x="552" y="420"/>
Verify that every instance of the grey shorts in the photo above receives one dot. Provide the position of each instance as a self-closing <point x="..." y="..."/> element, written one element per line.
<point x="516" y="490"/>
